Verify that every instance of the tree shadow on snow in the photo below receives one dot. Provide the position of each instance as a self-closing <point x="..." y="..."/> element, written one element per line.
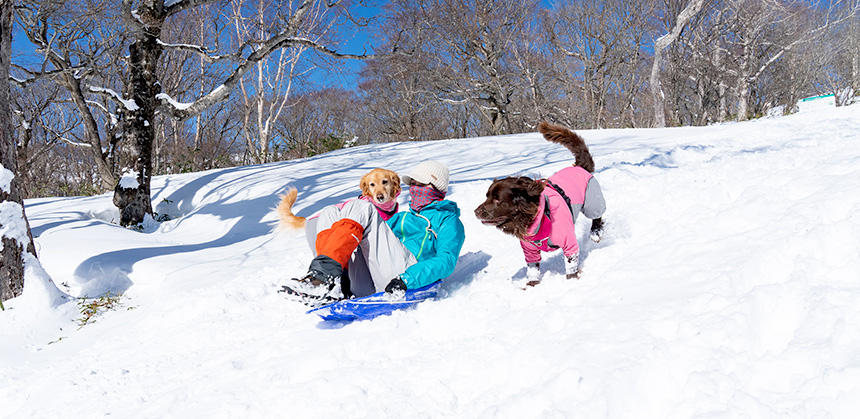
<point x="109" y="272"/>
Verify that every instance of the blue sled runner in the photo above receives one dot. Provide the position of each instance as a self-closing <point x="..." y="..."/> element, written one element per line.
<point x="364" y="308"/>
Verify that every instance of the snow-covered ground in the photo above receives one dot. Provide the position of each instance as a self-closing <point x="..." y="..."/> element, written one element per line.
<point x="727" y="285"/>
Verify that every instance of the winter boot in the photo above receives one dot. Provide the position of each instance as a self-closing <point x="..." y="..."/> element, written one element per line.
<point x="596" y="230"/>
<point x="314" y="284"/>
<point x="325" y="276"/>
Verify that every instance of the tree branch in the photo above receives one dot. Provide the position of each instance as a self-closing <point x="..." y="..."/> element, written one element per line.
<point x="222" y="91"/>
<point x="36" y="76"/>
<point x="172" y="7"/>
<point x="201" y="51"/>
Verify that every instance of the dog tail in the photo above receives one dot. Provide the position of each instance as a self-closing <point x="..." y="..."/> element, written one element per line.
<point x="288" y="220"/>
<point x="561" y="135"/>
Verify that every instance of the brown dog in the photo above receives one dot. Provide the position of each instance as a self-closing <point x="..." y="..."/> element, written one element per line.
<point x="542" y="212"/>
<point x="380" y="185"/>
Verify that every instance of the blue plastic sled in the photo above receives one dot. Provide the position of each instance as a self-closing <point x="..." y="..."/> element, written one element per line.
<point x="374" y="305"/>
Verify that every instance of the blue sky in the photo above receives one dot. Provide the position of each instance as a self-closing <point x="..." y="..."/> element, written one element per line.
<point x="345" y="74"/>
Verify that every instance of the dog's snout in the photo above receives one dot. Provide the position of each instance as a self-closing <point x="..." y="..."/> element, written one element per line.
<point x="479" y="212"/>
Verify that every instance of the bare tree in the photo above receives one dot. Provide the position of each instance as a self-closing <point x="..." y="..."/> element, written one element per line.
<point x="147" y="21"/>
<point x="319" y="123"/>
<point x="78" y="44"/>
<point x="470" y="43"/>
<point x="398" y="92"/>
<point x="17" y="241"/>
<point x="604" y="42"/>
<point x="763" y="32"/>
<point x="854" y="49"/>
<point x="265" y="91"/>
<point x="134" y="87"/>
<point x="660" y="44"/>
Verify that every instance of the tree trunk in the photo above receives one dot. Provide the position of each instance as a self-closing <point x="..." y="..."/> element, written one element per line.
<point x="660" y="44"/>
<point x="855" y="71"/>
<point x="721" y="88"/>
<point x="743" y="87"/>
<point x="854" y="48"/>
<point x="657" y="96"/>
<point x="143" y="86"/>
<point x="11" y="203"/>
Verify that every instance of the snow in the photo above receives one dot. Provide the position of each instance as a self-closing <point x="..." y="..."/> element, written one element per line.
<point x="129" y="104"/>
<point x="129" y="179"/>
<point x="10" y="226"/>
<point x="6" y="177"/>
<point x="726" y="285"/>
<point x="11" y="212"/>
<point x="169" y="45"/>
<point x="176" y="104"/>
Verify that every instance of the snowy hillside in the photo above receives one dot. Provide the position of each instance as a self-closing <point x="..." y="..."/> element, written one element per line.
<point x="727" y="285"/>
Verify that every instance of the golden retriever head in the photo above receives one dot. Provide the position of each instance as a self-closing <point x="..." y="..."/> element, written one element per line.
<point x="381" y="185"/>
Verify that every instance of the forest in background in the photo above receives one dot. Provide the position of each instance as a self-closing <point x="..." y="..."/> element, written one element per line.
<point x="149" y="87"/>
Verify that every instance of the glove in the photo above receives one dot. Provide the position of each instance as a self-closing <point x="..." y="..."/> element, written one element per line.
<point x="396" y="285"/>
<point x="533" y="271"/>
<point x="571" y="267"/>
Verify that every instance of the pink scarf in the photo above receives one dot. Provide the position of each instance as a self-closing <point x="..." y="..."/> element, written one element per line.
<point x="421" y="196"/>
<point x="387" y="209"/>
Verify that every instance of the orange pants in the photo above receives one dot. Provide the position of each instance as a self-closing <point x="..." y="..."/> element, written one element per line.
<point x="340" y="240"/>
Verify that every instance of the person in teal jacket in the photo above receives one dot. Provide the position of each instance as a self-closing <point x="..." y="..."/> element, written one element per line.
<point x="358" y="253"/>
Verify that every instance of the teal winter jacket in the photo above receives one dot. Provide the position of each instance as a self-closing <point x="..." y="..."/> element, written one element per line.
<point x="435" y="236"/>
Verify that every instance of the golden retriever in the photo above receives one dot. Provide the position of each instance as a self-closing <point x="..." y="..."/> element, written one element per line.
<point x="380" y="185"/>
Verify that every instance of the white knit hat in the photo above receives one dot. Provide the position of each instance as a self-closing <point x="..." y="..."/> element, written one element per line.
<point x="432" y="172"/>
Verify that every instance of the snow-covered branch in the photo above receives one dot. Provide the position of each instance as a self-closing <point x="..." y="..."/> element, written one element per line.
<point x="179" y="106"/>
<point x="129" y="104"/>
<point x="200" y="50"/>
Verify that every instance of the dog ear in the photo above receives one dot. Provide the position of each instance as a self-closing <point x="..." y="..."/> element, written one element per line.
<point x="535" y="188"/>
<point x="363" y="185"/>
<point x="396" y="179"/>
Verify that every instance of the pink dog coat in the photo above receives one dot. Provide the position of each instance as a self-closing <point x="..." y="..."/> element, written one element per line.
<point x="553" y="226"/>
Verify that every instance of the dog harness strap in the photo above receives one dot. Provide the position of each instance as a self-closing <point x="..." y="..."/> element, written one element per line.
<point x="547" y="214"/>
<point x="563" y="196"/>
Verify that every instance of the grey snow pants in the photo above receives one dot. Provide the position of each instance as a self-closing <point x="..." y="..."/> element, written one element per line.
<point x="380" y="255"/>
<point x="594" y="205"/>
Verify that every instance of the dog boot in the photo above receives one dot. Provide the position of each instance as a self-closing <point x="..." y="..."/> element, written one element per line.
<point x="571" y="267"/>
<point x="596" y="230"/>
